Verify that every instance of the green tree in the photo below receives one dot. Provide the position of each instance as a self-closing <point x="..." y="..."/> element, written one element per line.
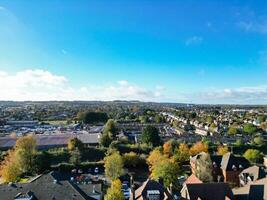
<point x="74" y="143"/>
<point x="253" y="155"/>
<point x="131" y="159"/>
<point x="249" y="129"/>
<point x="143" y="119"/>
<point x="159" y="119"/>
<point x="114" y="192"/>
<point x="105" y="140"/>
<point x="113" y="165"/>
<point x="25" y="150"/>
<point x="259" y="140"/>
<point x="210" y="119"/>
<point x="166" y="170"/>
<point x="262" y="118"/>
<point x="232" y="130"/>
<point x="238" y="142"/>
<point x="94" y="117"/>
<point x="151" y="136"/>
<point x="110" y="128"/>
<point x="75" y="157"/>
<point x="42" y="161"/>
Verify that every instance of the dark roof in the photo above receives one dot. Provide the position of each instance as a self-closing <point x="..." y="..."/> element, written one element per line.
<point x="252" y="191"/>
<point x="209" y="191"/>
<point x="141" y="192"/>
<point x="44" y="188"/>
<point x="216" y="159"/>
<point x="229" y="161"/>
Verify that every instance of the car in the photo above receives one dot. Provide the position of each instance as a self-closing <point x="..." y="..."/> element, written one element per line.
<point x="126" y="190"/>
<point x="96" y="170"/>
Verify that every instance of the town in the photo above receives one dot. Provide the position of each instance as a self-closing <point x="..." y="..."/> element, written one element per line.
<point x="133" y="100"/>
<point x="132" y="150"/>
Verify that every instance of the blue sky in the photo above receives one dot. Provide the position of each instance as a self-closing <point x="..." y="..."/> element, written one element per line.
<point x="175" y="51"/>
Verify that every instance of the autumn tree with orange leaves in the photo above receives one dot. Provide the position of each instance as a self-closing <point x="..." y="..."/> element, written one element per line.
<point x="198" y="147"/>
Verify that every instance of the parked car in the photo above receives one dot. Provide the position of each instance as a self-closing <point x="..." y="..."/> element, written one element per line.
<point x="96" y="170"/>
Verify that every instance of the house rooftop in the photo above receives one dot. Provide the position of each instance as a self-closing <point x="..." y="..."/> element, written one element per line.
<point x="229" y="162"/>
<point x="46" y="187"/>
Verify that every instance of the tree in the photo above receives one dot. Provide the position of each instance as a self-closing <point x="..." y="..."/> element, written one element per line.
<point x="221" y="150"/>
<point x="105" y="140"/>
<point x="249" y="128"/>
<point x="113" y="165"/>
<point x="20" y="160"/>
<point x="154" y="158"/>
<point x="253" y="155"/>
<point x="159" y="119"/>
<point x="75" y="156"/>
<point x="169" y="147"/>
<point x="182" y="153"/>
<point x="166" y="170"/>
<point x="198" y="147"/>
<point x="25" y="150"/>
<point x="161" y="167"/>
<point x="9" y="170"/>
<point x="74" y="143"/>
<point x="42" y="162"/>
<point x="259" y="140"/>
<point x="262" y="118"/>
<point x="114" y="192"/>
<point x="110" y="128"/>
<point x="232" y="130"/>
<point x="143" y="119"/>
<point x="151" y="136"/>
<point x="239" y="142"/>
<point x="92" y="117"/>
<point x="130" y="159"/>
<point x="204" y="168"/>
<point x="209" y="119"/>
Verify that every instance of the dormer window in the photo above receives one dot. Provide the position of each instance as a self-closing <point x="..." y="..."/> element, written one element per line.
<point x="153" y="195"/>
<point x="234" y="168"/>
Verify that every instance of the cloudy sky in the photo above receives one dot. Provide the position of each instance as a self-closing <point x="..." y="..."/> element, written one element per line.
<point x="192" y="51"/>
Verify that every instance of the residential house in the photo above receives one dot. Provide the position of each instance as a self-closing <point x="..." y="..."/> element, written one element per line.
<point x="232" y="166"/>
<point x="251" y="174"/>
<point x="151" y="190"/>
<point x="206" y="191"/>
<point x="50" y="186"/>
<point x="256" y="190"/>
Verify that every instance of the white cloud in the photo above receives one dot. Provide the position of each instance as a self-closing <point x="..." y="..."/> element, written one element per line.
<point x="194" y="40"/>
<point x="253" y="26"/>
<point x="41" y="85"/>
<point x="241" y="95"/>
